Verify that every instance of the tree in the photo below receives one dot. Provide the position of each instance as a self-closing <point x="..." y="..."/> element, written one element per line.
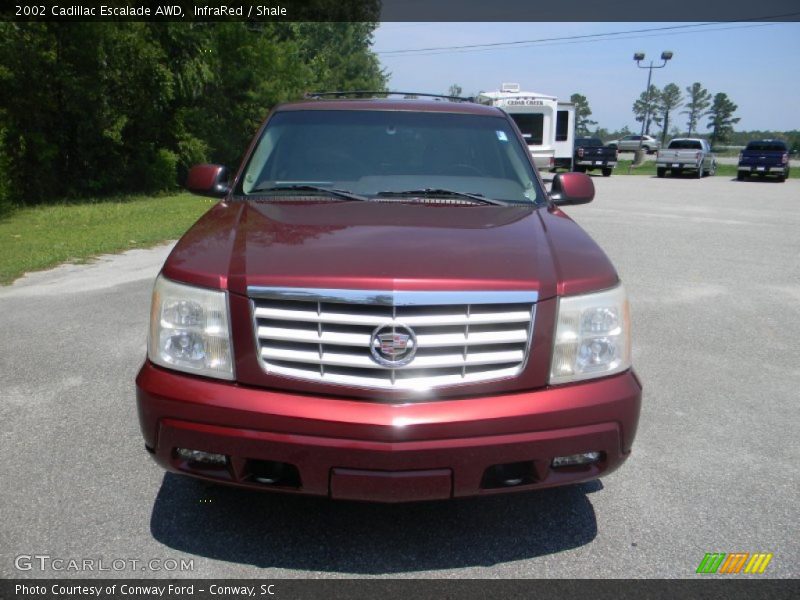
<point x="793" y="142"/>
<point x="697" y="106"/>
<point x="648" y="106"/>
<point x="124" y="107"/>
<point x="602" y="133"/>
<point x="582" y="114"/>
<point x="454" y="90"/>
<point x="722" y="119"/>
<point x="671" y="99"/>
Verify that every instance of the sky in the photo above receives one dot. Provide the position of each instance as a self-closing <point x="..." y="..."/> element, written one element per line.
<point x="755" y="64"/>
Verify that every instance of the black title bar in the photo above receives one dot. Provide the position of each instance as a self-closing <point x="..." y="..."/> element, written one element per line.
<point x="401" y="10"/>
<point x="416" y="589"/>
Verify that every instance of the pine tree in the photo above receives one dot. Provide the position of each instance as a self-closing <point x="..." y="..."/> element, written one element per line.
<point x="671" y="99"/>
<point x="722" y="119"/>
<point x="648" y="105"/>
<point x="454" y="90"/>
<point x="697" y="106"/>
<point x="582" y="114"/>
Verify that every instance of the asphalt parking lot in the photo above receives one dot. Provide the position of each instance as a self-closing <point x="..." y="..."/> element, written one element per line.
<point x="712" y="270"/>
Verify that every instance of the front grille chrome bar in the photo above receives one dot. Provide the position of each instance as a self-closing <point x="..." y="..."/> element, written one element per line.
<point x="331" y="336"/>
<point x="393" y="298"/>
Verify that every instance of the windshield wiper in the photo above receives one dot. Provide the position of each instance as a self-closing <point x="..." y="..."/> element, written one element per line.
<point x="311" y="188"/>
<point x="430" y="192"/>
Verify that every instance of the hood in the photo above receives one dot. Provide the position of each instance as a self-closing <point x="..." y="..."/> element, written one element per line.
<point x="389" y="246"/>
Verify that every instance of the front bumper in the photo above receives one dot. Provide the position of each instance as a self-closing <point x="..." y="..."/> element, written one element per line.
<point x="361" y="450"/>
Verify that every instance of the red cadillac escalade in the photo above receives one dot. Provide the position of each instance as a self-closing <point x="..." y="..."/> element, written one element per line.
<point x="387" y="305"/>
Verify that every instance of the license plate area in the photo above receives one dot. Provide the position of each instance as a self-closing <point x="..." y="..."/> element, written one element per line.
<point x="391" y="486"/>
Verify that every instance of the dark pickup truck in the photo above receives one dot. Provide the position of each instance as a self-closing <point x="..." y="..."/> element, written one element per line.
<point x="762" y="158"/>
<point x="590" y="154"/>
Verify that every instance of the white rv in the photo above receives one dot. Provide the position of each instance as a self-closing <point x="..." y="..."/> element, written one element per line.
<point x="534" y="114"/>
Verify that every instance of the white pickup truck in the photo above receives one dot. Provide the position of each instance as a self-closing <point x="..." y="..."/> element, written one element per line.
<point x="686" y="154"/>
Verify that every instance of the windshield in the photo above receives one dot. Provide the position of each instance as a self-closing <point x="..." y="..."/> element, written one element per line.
<point x="369" y="152"/>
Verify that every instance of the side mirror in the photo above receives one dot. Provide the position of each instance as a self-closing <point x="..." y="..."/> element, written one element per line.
<point x="572" y="188"/>
<point x="208" y="180"/>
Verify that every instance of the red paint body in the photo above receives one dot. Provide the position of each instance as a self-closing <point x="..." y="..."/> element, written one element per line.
<point x="364" y="444"/>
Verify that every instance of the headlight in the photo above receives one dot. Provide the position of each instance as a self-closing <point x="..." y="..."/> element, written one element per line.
<point x="593" y="336"/>
<point x="189" y="330"/>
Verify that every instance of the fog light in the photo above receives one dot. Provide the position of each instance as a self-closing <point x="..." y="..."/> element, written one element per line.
<point x="572" y="460"/>
<point x="198" y="456"/>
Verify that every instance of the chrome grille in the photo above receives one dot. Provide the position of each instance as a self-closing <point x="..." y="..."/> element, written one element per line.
<point x="326" y="335"/>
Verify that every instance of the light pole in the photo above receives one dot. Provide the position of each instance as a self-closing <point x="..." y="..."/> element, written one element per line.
<point x="638" y="57"/>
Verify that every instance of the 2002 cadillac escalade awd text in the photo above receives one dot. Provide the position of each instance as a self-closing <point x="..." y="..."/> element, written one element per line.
<point x="386" y="305"/>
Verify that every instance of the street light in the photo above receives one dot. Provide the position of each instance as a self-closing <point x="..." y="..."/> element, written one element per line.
<point x="639" y="57"/>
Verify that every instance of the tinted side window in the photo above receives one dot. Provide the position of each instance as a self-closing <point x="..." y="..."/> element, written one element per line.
<point x="562" y="126"/>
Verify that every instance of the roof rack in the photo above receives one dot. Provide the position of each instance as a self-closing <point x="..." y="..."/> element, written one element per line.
<point x="384" y="94"/>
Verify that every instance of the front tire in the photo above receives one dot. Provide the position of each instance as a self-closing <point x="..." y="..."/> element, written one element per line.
<point x="660" y="172"/>
<point x="607" y="172"/>
<point x="741" y="176"/>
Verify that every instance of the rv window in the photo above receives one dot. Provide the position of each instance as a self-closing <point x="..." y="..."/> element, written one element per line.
<point x="532" y="127"/>
<point x="562" y="126"/>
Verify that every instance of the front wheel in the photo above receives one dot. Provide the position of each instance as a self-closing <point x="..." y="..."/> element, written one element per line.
<point x="741" y="176"/>
<point x="607" y="172"/>
<point x="580" y="169"/>
<point x="661" y="171"/>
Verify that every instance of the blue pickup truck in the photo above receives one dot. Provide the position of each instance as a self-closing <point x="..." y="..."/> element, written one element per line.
<point x="762" y="158"/>
<point x="591" y="153"/>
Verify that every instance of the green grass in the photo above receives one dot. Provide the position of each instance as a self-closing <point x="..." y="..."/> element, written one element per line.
<point x="649" y="168"/>
<point x="36" y="238"/>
